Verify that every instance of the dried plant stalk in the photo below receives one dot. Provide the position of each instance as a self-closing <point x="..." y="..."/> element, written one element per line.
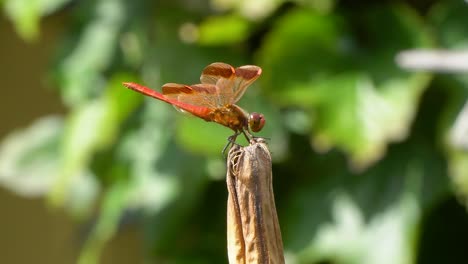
<point x="254" y="234"/>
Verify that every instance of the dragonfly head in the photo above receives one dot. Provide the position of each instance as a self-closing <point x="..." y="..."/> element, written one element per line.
<point x="256" y="121"/>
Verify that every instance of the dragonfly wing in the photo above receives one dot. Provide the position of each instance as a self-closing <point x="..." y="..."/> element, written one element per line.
<point x="231" y="83"/>
<point x="205" y="95"/>
<point x="196" y="110"/>
<point x="215" y="71"/>
<point x="232" y="89"/>
<point x="173" y="90"/>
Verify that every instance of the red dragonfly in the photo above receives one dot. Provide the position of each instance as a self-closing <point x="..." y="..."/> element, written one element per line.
<point x="214" y="99"/>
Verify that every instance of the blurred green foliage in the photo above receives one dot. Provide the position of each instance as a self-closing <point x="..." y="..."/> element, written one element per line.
<point x="362" y="150"/>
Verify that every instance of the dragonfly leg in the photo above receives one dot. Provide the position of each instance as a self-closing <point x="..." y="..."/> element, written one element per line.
<point x="231" y="142"/>
<point x="251" y="138"/>
<point x="247" y="135"/>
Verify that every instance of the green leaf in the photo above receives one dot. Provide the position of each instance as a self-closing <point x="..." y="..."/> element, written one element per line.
<point x="449" y="19"/>
<point x="223" y="30"/>
<point x="81" y="71"/>
<point x="113" y="207"/>
<point x="156" y="184"/>
<point x="142" y="148"/>
<point x="453" y="132"/>
<point x="373" y="217"/>
<point x="322" y="6"/>
<point x="166" y="182"/>
<point x="355" y="115"/>
<point x="186" y="61"/>
<point x="26" y="14"/>
<point x="458" y="168"/>
<point x="30" y="163"/>
<point x="29" y="158"/>
<point x="356" y="97"/>
<point x="92" y="127"/>
<point x="307" y="43"/>
<point x="253" y="10"/>
<point x="198" y="136"/>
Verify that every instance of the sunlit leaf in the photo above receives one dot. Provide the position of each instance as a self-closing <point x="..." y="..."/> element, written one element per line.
<point x="26" y="14"/>
<point x="142" y="149"/>
<point x="92" y="127"/>
<point x="198" y="136"/>
<point x="113" y="207"/>
<point x="343" y="218"/>
<point x="30" y="165"/>
<point x="454" y="124"/>
<point x="357" y="98"/>
<point x="308" y="43"/>
<point x="323" y="6"/>
<point x="156" y="182"/>
<point x="165" y="182"/>
<point x="263" y="8"/>
<point x="449" y="18"/>
<point x="459" y="171"/>
<point x="253" y="10"/>
<point x="223" y="30"/>
<point x="348" y="237"/>
<point x="81" y="71"/>
<point x="29" y="158"/>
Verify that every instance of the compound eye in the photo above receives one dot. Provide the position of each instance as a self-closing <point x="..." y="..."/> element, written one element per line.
<point x="256" y="121"/>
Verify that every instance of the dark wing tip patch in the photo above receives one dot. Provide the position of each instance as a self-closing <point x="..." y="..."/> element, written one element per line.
<point x="219" y="69"/>
<point x="248" y="72"/>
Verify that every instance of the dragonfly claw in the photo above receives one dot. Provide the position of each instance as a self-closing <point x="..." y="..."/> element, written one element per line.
<point x="231" y="143"/>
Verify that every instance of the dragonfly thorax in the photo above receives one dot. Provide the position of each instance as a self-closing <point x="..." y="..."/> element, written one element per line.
<point x="231" y="116"/>
<point x="237" y="119"/>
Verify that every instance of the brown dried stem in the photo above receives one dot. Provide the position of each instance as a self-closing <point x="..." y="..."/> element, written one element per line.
<point x="254" y="234"/>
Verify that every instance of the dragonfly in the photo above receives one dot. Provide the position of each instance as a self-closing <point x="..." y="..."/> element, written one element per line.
<point x="215" y="98"/>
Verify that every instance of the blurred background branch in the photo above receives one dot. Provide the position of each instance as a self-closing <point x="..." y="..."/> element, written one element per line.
<point x="434" y="60"/>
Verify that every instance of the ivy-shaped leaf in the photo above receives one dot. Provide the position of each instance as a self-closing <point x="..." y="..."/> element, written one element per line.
<point x="373" y="217"/>
<point x="92" y="127"/>
<point x="356" y="97"/>
<point x="30" y="162"/>
<point x="450" y="20"/>
<point x="81" y="71"/>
